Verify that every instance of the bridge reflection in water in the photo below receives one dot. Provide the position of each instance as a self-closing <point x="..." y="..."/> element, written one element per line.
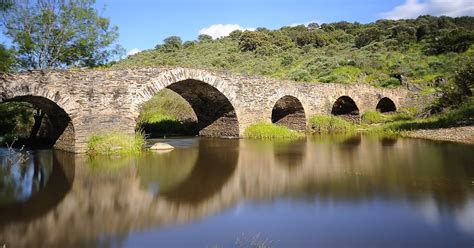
<point x="102" y="201"/>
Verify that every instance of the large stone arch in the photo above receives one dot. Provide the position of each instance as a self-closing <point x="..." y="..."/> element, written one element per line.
<point x="60" y="108"/>
<point x="212" y="99"/>
<point x="347" y="108"/>
<point x="57" y="123"/>
<point x="289" y="111"/>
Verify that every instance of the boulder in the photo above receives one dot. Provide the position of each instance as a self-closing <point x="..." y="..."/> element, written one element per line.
<point x="161" y="146"/>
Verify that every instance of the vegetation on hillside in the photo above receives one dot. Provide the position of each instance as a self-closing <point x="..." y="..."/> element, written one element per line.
<point x="385" y="53"/>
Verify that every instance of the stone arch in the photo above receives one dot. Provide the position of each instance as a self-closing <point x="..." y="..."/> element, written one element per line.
<point x="211" y="98"/>
<point x="386" y="105"/>
<point x="58" y="127"/>
<point x="344" y="105"/>
<point x="288" y="111"/>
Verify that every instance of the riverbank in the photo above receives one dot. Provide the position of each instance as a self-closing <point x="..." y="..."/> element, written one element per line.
<point x="453" y="134"/>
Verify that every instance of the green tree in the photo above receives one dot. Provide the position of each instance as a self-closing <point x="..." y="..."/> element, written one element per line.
<point x="367" y="36"/>
<point x="172" y="43"/>
<point x="6" y="59"/>
<point x="251" y="40"/>
<point x="204" y="38"/>
<point x="457" y="40"/>
<point x="59" y="33"/>
<point x="314" y="38"/>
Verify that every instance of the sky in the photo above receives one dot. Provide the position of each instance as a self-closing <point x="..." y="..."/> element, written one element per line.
<point x="145" y="23"/>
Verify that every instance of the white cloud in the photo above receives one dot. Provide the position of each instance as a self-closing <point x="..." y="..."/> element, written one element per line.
<point x="415" y="8"/>
<point x="133" y="51"/>
<point x="221" y="30"/>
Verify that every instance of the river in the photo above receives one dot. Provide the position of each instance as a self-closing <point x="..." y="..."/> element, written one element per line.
<point x="357" y="191"/>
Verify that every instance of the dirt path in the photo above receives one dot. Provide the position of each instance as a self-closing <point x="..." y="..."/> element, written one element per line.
<point x="455" y="134"/>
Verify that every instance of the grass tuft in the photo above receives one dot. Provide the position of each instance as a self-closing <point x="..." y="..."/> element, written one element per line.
<point x="115" y="143"/>
<point x="371" y="117"/>
<point x="264" y="130"/>
<point x="325" y="124"/>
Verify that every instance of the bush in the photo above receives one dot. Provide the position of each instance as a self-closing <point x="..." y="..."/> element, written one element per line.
<point x="325" y="124"/>
<point x="270" y="131"/>
<point x="115" y="143"/>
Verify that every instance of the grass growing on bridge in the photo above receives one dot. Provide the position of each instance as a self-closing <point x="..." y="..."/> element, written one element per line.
<point x="115" y="143"/>
<point x="325" y="124"/>
<point x="265" y="130"/>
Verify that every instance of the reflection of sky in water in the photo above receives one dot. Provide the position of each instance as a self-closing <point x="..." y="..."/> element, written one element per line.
<point x="289" y="223"/>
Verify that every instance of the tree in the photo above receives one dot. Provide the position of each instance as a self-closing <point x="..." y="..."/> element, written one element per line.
<point x="59" y="33"/>
<point x="6" y="59"/>
<point x="367" y="36"/>
<point x="204" y="38"/>
<point x="314" y="38"/>
<point x="457" y="40"/>
<point x="172" y="43"/>
<point x="251" y="40"/>
<point x="5" y="4"/>
<point x="50" y="34"/>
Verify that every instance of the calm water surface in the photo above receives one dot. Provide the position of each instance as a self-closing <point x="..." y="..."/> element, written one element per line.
<point x="320" y="192"/>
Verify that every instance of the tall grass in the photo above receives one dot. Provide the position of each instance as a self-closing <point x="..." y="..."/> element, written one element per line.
<point x="372" y="117"/>
<point x="265" y="130"/>
<point x="115" y="143"/>
<point x="325" y="124"/>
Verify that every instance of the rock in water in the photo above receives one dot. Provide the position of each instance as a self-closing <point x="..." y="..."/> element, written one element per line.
<point x="161" y="146"/>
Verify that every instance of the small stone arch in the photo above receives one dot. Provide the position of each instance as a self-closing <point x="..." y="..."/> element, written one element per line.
<point x="211" y="98"/>
<point x="289" y="112"/>
<point x="344" y="105"/>
<point x="386" y="105"/>
<point x="57" y="128"/>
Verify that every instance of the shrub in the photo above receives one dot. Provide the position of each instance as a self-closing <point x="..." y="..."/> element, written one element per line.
<point x="270" y="131"/>
<point x="115" y="143"/>
<point x="325" y="124"/>
<point x="300" y="75"/>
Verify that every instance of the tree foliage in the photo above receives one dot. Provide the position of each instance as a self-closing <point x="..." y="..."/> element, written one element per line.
<point x="6" y="59"/>
<point x="251" y="40"/>
<point x="59" y="33"/>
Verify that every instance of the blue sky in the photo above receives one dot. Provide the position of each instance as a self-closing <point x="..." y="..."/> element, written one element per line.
<point x="145" y="23"/>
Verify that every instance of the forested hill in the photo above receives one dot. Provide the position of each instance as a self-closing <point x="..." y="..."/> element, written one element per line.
<point x="383" y="53"/>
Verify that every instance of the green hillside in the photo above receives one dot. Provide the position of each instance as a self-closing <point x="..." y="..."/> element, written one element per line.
<point x="383" y="53"/>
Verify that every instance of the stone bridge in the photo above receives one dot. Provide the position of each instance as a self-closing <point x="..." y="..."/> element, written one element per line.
<point x="79" y="103"/>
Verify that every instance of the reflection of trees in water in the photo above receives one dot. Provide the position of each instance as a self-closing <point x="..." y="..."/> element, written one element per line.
<point x="22" y="174"/>
<point x="50" y="177"/>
